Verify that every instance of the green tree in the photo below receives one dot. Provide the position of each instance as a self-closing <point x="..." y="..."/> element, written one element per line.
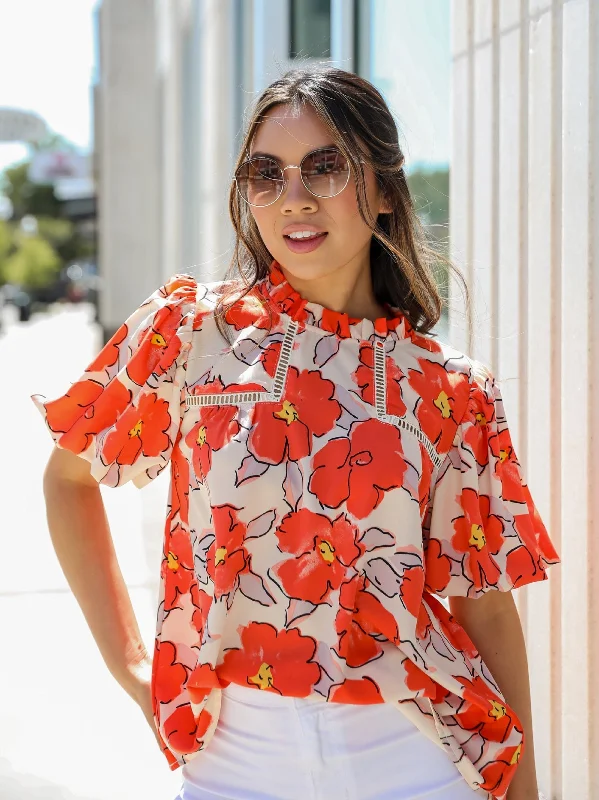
<point x="33" y="264"/>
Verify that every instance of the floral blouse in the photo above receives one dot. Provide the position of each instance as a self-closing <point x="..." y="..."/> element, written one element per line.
<point x="330" y="479"/>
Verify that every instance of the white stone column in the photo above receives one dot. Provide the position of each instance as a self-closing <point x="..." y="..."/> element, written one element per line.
<point x="128" y="158"/>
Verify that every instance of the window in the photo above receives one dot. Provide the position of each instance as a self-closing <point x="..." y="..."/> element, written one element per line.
<point x="310" y="29"/>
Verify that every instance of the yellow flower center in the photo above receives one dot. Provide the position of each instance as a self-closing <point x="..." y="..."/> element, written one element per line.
<point x="503" y="454"/>
<point x="442" y="403"/>
<point x="158" y="340"/>
<point x="263" y="678"/>
<point x="136" y="429"/>
<point x="288" y="412"/>
<point x="480" y="418"/>
<point x="516" y="756"/>
<point x="201" y="440"/>
<point x="477" y="537"/>
<point x="327" y="551"/>
<point x="172" y="561"/>
<point x="497" y="710"/>
<point x="220" y="556"/>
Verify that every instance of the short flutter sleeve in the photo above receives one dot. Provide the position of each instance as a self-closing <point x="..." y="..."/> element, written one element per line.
<point x="482" y="530"/>
<point x="123" y="414"/>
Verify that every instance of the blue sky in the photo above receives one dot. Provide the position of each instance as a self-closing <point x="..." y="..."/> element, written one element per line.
<point x="47" y="63"/>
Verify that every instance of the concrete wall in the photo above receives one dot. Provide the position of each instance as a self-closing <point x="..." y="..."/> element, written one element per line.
<point x="525" y="175"/>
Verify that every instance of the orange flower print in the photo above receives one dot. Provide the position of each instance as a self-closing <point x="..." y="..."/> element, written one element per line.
<point x="84" y="411"/>
<point x="507" y="468"/>
<point x="418" y="681"/>
<point x="285" y="430"/>
<point x="438" y="567"/>
<point x="142" y="430"/>
<point x="183" y="733"/>
<point x="357" y="692"/>
<point x="158" y="345"/>
<point x="250" y="310"/>
<point x="202" y="602"/>
<point x="201" y="682"/>
<point x="411" y="589"/>
<point x="227" y="558"/>
<point x="498" y="774"/>
<point x="485" y="712"/>
<point x="109" y="354"/>
<point x="272" y="660"/>
<point x="441" y="391"/>
<point x="361" y="616"/>
<point x="358" y="470"/>
<point x="363" y="376"/>
<point x="177" y="567"/>
<point x="479" y="534"/>
<point x="170" y="675"/>
<point x="323" y="550"/>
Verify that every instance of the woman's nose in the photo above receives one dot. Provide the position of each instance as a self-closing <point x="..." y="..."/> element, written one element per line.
<point x="295" y="195"/>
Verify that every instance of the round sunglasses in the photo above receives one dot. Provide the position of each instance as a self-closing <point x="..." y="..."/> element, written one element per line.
<point x="261" y="180"/>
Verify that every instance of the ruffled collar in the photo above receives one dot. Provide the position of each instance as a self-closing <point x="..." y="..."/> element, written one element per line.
<point x="276" y="288"/>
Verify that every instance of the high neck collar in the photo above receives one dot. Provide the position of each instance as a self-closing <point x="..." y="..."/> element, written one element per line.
<point x="289" y="301"/>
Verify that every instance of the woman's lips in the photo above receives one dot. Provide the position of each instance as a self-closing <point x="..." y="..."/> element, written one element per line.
<point x="305" y="245"/>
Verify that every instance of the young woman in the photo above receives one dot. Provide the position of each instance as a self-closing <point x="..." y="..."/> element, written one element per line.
<point x="335" y="469"/>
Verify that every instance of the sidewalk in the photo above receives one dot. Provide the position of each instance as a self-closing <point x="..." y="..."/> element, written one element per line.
<point x="67" y="729"/>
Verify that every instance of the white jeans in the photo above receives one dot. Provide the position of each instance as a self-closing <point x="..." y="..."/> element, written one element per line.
<point x="268" y="747"/>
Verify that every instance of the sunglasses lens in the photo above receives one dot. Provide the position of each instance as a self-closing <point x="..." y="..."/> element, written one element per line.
<point x="325" y="172"/>
<point x="259" y="181"/>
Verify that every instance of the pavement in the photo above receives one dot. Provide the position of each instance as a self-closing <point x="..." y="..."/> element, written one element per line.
<point x="67" y="729"/>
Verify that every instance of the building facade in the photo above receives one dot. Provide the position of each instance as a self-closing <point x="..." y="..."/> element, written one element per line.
<point x="524" y="224"/>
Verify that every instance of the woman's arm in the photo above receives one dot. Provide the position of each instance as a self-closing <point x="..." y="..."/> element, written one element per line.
<point x="83" y="543"/>
<point x="493" y="623"/>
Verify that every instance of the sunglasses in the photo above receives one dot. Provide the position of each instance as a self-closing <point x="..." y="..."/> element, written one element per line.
<point x="261" y="181"/>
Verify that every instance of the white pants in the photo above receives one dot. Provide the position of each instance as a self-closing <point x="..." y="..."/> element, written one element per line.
<point x="268" y="747"/>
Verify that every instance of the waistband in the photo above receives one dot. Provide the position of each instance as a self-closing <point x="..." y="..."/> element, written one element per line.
<point x="261" y="698"/>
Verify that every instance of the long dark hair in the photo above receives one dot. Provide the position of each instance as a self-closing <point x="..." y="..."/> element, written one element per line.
<point x="402" y="261"/>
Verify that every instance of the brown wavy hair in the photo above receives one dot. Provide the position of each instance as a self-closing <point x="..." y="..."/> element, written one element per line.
<point x="402" y="260"/>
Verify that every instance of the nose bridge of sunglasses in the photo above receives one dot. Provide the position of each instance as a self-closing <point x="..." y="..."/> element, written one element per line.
<point x="287" y="180"/>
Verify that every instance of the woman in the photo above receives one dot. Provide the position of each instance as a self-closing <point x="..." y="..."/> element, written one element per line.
<point x="334" y="470"/>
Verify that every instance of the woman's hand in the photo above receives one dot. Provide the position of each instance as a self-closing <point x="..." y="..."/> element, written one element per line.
<point x="138" y="685"/>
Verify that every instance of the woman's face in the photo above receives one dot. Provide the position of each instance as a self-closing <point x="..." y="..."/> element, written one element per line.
<point x="288" y="137"/>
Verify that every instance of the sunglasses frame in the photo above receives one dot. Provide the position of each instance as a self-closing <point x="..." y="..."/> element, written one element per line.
<point x="291" y="166"/>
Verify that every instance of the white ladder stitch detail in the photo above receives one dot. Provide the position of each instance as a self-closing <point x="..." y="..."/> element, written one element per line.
<point x="380" y="395"/>
<point x="239" y="398"/>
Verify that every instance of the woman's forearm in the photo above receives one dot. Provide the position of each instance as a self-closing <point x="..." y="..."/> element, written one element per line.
<point x="81" y="537"/>
<point x="493" y="624"/>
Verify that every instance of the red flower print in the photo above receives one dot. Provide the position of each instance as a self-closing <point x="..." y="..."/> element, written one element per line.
<point x="227" y="558"/>
<point x="480" y="535"/>
<point x="485" y="712"/>
<point x="177" y="567"/>
<point x="451" y="628"/>
<point x="498" y="774"/>
<point x="507" y="468"/>
<point x="323" y="552"/>
<point x="215" y="427"/>
<point x="202" y="602"/>
<point x="169" y="675"/>
<point x="358" y="470"/>
<point x="441" y="391"/>
<point x="157" y="345"/>
<point x="286" y="429"/>
<point x="84" y="411"/>
<point x="276" y="661"/>
<point x="411" y="589"/>
<point x="141" y="430"/>
<point x="480" y="414"/>
<point x="418" y="681"/>
<point x="183" y="733"/>
<point x="201" y="682"/>
<point x="360" y="617"/>
<point x="438" y="567"/>
<point x="357" y="692"/>
<point x="364" y="378"/>
<point x="250" y="310"/>
<point x="109" y="355"/>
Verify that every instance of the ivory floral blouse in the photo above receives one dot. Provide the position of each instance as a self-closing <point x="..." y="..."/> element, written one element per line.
<point x="331" y="477"/>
